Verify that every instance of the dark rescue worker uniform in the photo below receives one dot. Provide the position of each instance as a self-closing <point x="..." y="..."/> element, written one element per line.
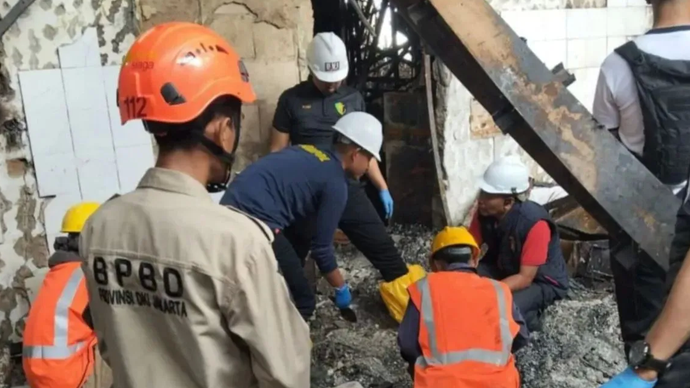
<point x="663" y="86"/>
<point x="678" y="375"/>
<point x="308" y="116"/>
<point x="506" y="239"/>
<point x="186" y="293"/>
<point x="300" y="184"/>
<point x="460" y="331"/>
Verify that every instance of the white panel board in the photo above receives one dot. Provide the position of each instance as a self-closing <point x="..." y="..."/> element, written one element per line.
<point x="88" y="110"/>
<point x="83" y="53"/>
<point x="133" y="132"/>
<point x="132" y="163"/>
<point x="98" y="175"/>
<point x="56" y="174"/>
<point x="46" y="112"/>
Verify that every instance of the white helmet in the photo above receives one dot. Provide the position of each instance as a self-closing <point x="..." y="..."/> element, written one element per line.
<point x="327" y="57"/>
<point x="362" y="129"/>
<point x="507" y="175"/>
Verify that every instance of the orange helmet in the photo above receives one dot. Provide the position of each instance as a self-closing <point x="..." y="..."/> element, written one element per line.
<point x="175" y="70"/>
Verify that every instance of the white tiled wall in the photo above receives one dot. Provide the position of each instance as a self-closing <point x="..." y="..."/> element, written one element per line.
<point x="580" y="38"/>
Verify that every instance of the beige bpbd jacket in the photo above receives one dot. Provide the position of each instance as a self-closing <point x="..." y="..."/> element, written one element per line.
<point x="186" y="293"/>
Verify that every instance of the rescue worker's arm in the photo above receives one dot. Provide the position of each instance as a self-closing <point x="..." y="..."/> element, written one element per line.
<point x="331" y="205"/>
<point x="375" y="175"/>
<point x="605" y="109"/>
<point x="408" y="337"/>
<point x="259" y="311"/>
<point x="534" y="254"/>
<point x="280" y="135"/>
<point x="374" y="171"/>
<point x="522" y="337"/>
<point x="672" y="329"/>
<point x="279" y="140"/>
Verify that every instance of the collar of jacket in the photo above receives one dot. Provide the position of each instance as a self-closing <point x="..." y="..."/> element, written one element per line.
<point x="509" y="219"/>
<point x="60" y="257"/>
<point x="174" y="181"/>
<point x="461" y="267"/>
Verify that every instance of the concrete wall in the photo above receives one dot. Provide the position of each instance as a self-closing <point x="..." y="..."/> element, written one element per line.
<point x="271" y="36"/>
<point x="579" y="33"/>
<point x="31" y="44"/>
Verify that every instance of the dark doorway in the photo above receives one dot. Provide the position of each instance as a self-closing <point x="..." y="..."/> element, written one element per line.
<point x="385" y="56"/>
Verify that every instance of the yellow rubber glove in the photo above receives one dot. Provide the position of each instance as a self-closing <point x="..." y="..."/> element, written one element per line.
<point x="394" y="293"/>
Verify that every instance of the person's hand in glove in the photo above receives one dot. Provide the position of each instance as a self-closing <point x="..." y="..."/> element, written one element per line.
<point x="343" y="297"/>
<point x="629" y="379"/>
<point x="387" y="200"/>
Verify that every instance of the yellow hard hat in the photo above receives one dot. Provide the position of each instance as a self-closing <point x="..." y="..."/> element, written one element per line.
<point x="76" y="216"/>
<point x="454" y="235"/>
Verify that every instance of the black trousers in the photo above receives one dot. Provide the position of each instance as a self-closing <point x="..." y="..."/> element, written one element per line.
<point x="360" y="223"/>
<point x="291" y="265"/>
<point x="532" y="300"/>
<point x="640" y="286"/>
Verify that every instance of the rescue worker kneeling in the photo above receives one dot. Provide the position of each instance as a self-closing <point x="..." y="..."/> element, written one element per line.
<point x="460" y="329"/>
<point x="59" y="342"/>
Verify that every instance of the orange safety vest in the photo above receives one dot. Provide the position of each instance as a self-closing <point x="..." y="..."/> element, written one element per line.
<point x="58" y="348"/>
<point x="466" y="332"/>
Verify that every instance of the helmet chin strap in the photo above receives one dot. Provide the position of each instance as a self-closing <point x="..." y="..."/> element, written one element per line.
<point x="225" y="157"/>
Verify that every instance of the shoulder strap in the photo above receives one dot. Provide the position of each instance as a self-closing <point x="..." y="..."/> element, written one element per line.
<point x="259" y="224"/>
<point x="630" y="53"/>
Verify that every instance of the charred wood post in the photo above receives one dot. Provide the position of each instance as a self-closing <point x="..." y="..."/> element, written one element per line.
<point x="531" y="104"/>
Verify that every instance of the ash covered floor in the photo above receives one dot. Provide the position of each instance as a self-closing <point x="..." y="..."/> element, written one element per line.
<point x="579" y="346"/>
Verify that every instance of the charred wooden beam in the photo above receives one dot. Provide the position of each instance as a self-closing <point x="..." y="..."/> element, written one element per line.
<point x="532" y="105"/>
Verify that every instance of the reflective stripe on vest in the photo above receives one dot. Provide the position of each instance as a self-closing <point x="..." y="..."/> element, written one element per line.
<point x="60" y="348"/>
<point x="498" y="358"/>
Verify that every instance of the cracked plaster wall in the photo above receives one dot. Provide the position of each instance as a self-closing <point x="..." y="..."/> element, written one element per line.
<point x="31" y="44"/>
<point x="578" y="33"/>
<point x="272" y="38"/>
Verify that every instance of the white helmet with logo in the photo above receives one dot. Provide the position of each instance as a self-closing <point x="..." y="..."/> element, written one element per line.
<point x="362" y="129"/>
<point x="507" y="175"/>
<point x="327" y="57"/>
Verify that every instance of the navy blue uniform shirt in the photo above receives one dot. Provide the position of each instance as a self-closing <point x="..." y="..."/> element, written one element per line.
<point x="308" y="115"/>
<point x="295" y="183"/>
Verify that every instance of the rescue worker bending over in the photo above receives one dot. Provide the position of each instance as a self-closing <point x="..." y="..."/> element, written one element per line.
<point x="523" y="245"/>
<point x="307" y="185"/>
<point x="306" y="114"/>
<point x="59" y="342"/>
<point x="186" y="293"/>
<point x="460" y="329"/>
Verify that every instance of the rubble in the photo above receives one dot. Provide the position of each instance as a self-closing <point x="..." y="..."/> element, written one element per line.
<point x="579" y="346"/>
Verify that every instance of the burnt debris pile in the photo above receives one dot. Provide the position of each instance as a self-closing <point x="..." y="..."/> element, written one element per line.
<point x="579" y="345"/>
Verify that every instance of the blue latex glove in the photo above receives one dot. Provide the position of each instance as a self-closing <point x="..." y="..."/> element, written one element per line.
<point x="628" y="379"/>
<point x="387" y="200"/>
<point x="343" y="297"/>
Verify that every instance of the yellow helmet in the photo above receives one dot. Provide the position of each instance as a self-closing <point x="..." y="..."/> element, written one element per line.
<point x="454" y="235"/>
<point x="76" y="216"/>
